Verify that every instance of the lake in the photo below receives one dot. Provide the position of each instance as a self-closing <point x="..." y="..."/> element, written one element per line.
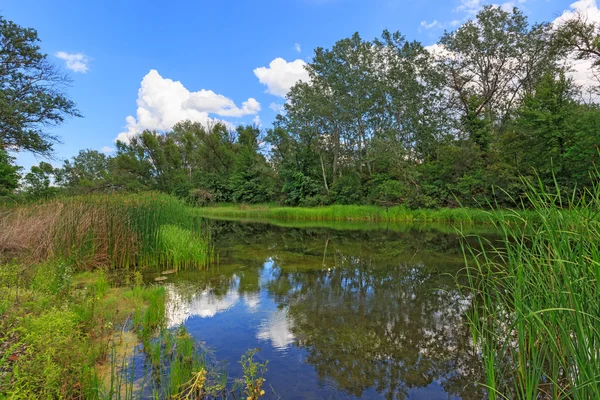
<point x="339" y="310"/>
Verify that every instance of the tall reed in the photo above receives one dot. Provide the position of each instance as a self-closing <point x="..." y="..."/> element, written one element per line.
<point x="109" y="230"/>
<point x="536" y="316"/>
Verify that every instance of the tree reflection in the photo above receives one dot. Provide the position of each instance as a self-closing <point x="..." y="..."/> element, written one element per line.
<point x="372" y="309"/>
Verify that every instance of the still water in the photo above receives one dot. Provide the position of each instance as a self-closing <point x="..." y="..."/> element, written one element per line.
<point x="338" y="313"/>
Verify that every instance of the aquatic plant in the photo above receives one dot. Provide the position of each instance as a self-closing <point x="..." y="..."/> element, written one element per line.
<point x="253" y="375"/>
<point x="352" y="213"/>
<point x="106" y="230"/>
<point x="536" y="316"/>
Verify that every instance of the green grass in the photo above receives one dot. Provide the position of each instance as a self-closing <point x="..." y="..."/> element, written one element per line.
<point x="351" y="213"/>
<point x="536" y="315"/>
<point x="57" y="326"/>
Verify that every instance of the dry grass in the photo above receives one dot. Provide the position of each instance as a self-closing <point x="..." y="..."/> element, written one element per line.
<point x="90" y="234"/>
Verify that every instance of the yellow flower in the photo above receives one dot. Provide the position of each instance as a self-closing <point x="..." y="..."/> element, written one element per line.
<point x="262" y="392"/>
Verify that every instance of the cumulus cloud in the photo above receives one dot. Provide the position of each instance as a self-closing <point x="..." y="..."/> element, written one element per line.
<point x="280" y="75"/>
<point x="77" y="62"/>
<point x="163" y="102"/>
<point x="469" y="6"/>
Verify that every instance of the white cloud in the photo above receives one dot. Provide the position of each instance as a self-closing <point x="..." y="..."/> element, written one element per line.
<point x="163" y="102"/>
<point x="77" y="62"/>
<point x="430" y="25"/>
<point x="297" y="47"/>
<point x="588" y="8"/>
<point x="256" y="121"/>
<point x="469" y="6"/>
<point x="280" y="75"/>
<point x="278" y="108"/>
<point x="107" y="149"/>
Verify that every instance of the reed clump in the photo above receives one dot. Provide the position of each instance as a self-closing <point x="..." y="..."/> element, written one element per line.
<point x="536" y="316"/>
<point x="106" y="230"/>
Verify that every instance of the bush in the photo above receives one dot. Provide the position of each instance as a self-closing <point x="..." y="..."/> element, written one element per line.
<point x="347" y="190"/>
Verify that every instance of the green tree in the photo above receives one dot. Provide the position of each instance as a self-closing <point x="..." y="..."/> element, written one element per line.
<point x="88" y="171"/>
<point x="38" y="181"/>
<point x="9" y="174"/>
<point x="31" y="95"/>
<point x="490" y="63"/>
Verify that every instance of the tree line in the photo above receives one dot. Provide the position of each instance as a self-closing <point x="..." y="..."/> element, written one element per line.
<point x="386" y="121"/>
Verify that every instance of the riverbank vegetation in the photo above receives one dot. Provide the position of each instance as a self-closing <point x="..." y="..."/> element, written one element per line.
<point x="75" y="309"/>
<point x="351" y="213"/>
<point x="536" y="314"/>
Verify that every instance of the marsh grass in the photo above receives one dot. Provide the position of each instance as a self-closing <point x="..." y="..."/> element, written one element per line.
<point x="118" y="231"/>
<point x="352" y="213"/>
<point x="536" y="316"/>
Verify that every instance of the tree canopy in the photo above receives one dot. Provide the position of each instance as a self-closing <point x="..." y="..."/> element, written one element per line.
<point x="385" y="121"/>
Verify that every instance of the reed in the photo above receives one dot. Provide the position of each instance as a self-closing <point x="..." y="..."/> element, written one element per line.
<point x="107" y="230"/>
<point x="536" y="315"/>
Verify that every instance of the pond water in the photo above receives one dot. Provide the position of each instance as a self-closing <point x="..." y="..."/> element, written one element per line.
<point x="338" y="313"/>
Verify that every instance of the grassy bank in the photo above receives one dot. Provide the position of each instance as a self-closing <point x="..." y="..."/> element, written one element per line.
<point x="352" y="213"/>
<point x="57" y="329"/>
<point x="67" y="328"/>
<point x="536" y="316"/>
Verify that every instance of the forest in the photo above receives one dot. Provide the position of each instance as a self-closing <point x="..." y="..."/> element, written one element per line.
<point x="381" y="122"/>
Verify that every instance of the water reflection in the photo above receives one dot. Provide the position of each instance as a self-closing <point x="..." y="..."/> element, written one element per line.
<point x="338" y="314"/>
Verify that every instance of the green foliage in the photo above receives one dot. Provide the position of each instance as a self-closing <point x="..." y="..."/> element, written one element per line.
<point x="115" y="231"/>
<point x="30" y="95"/>
<point x="184" y="248"/>
<point x="347" y="190"/>
<point x="38" y="182"/>
<point x="9" y="174"/>
<point x="253" y="375"/>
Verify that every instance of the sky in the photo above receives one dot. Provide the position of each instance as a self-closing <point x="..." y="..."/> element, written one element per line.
<point x="139" y="65"/>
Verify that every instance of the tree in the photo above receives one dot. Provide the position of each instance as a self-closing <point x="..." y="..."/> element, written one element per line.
<point x="38" y="182"/>
<point x="490" y="63"/>
<point x="88" y="171"/>
<point x="31" y="92"/>
<point x="9" y="174"/>
<point x="580" y="38"/>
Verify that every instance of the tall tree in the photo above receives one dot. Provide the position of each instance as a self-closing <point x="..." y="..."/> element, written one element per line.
<point x="490" y="63"/>
<point x="31" y="92"/>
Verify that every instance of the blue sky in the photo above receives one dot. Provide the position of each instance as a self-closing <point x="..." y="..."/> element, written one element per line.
<point x="221" y="52"/>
